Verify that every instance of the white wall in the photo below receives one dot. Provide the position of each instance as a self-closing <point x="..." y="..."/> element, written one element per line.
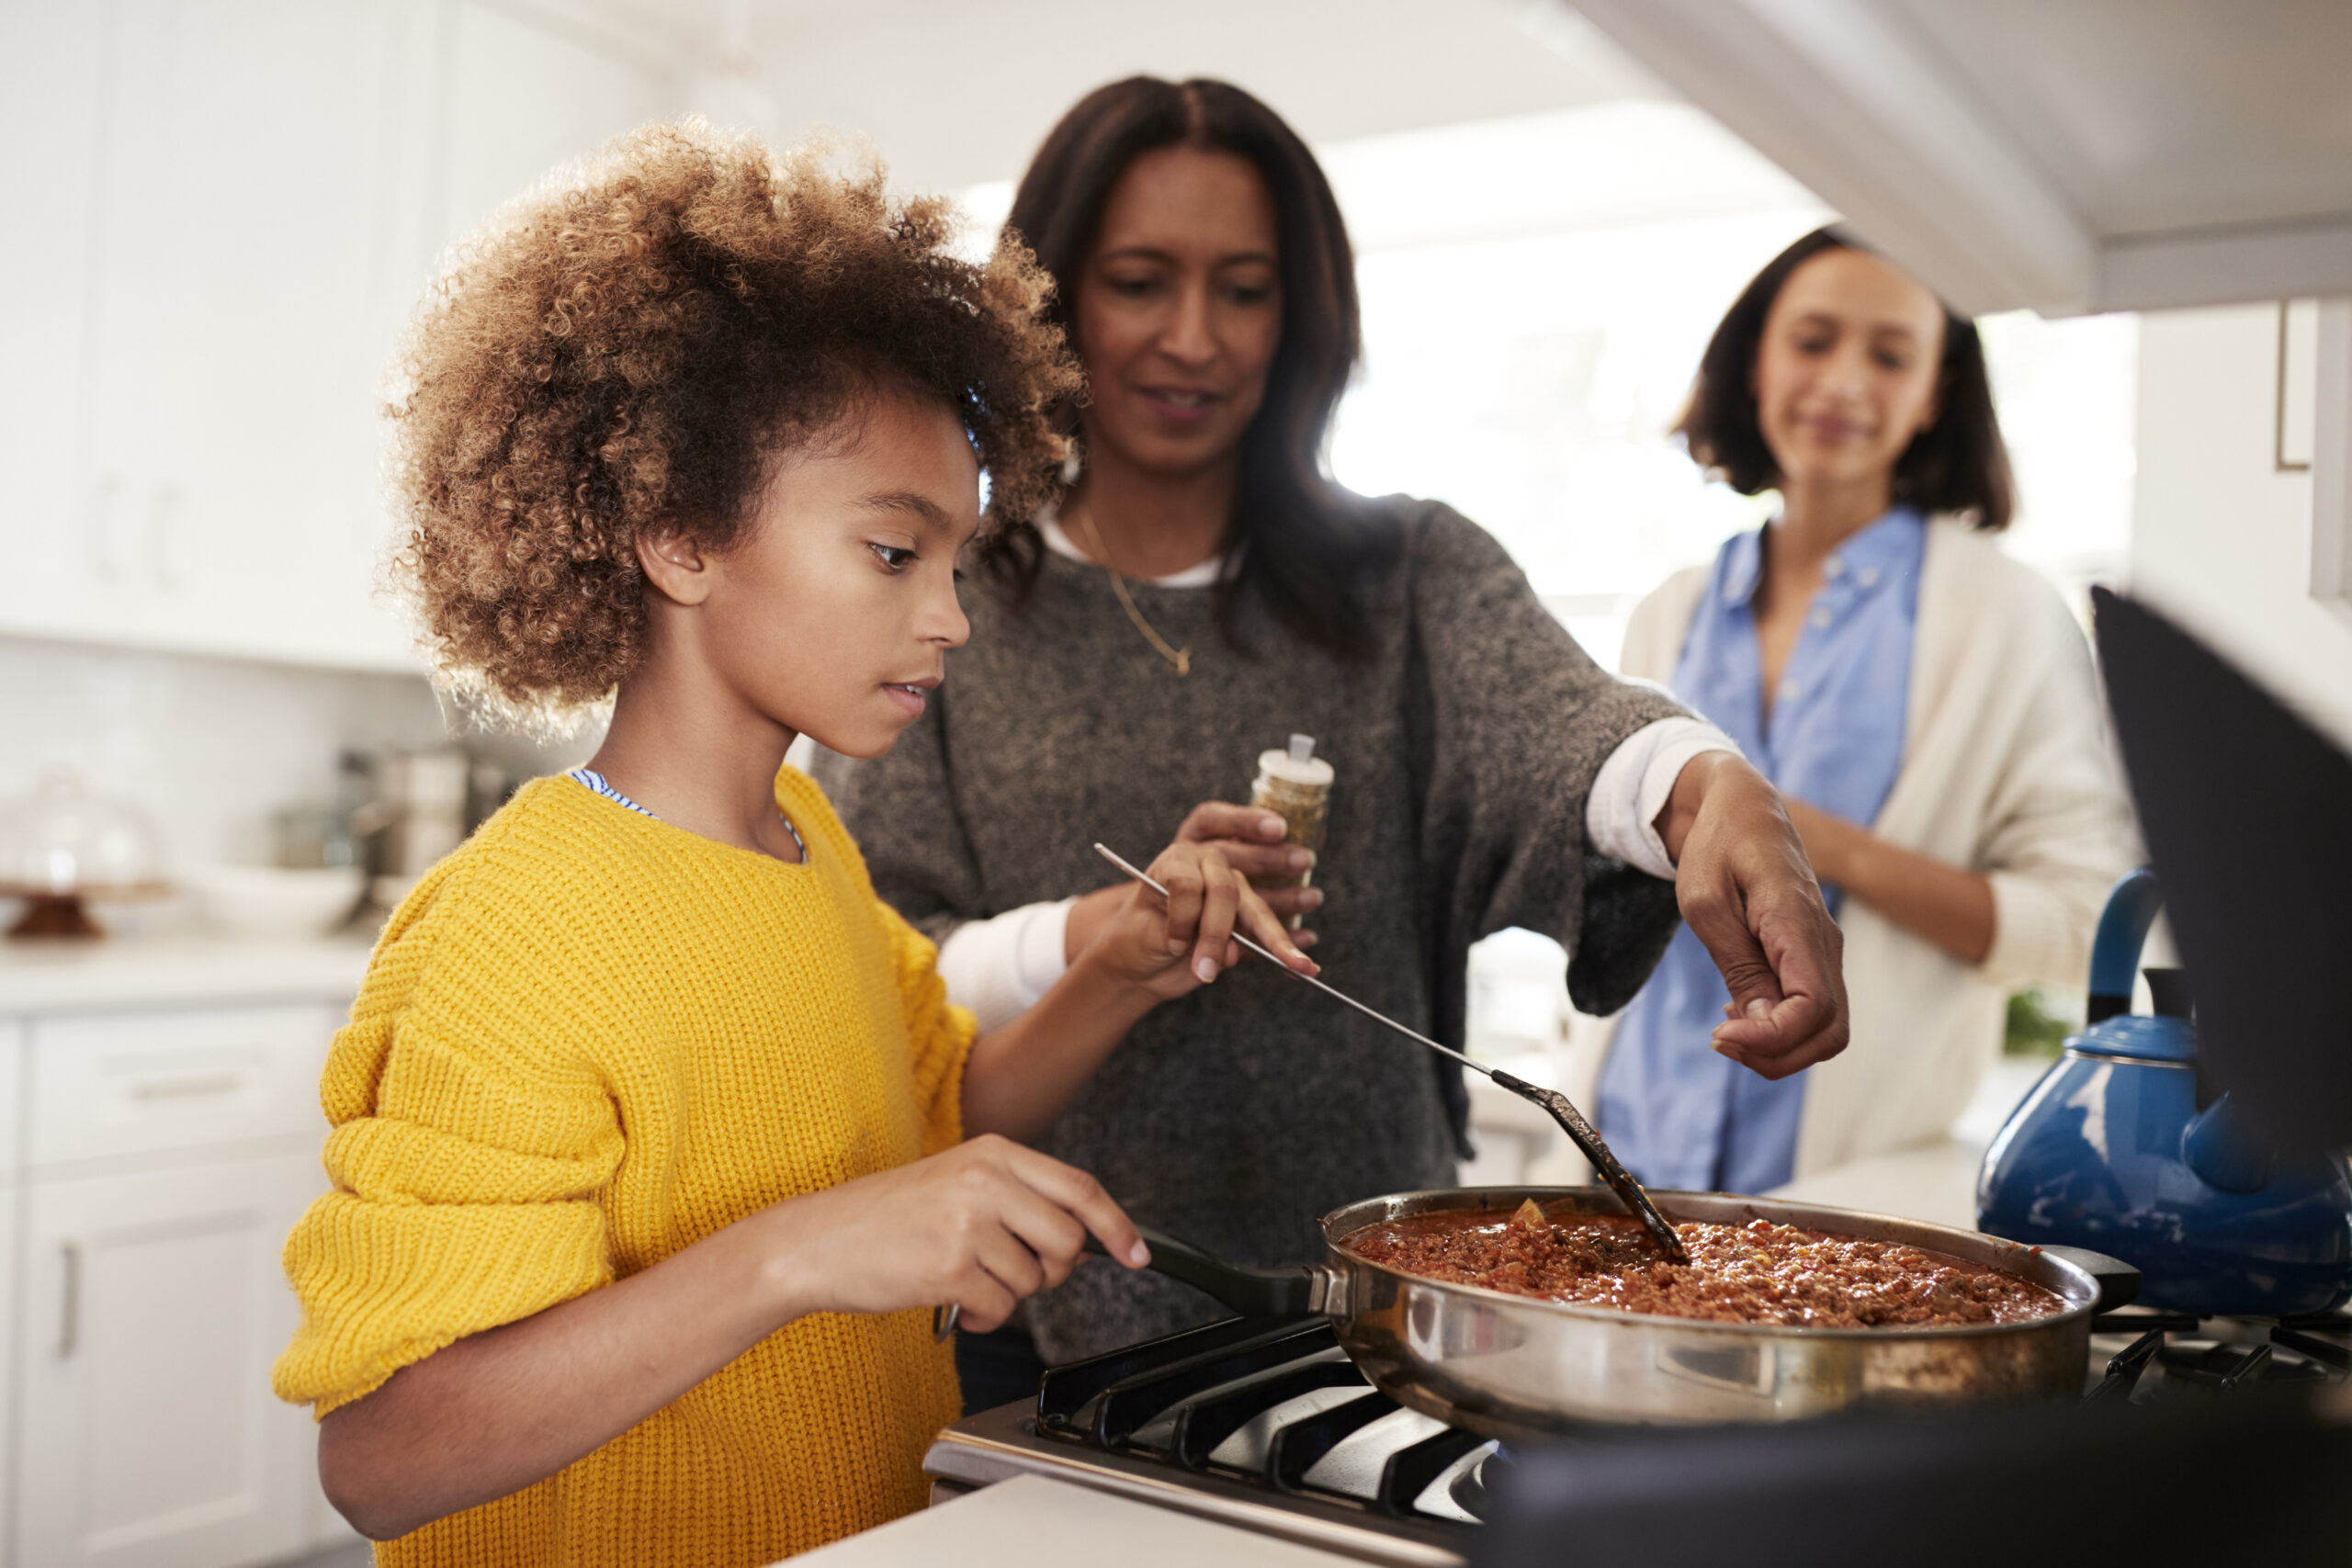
<point x="207" y="747"/>
<point x="2219" y="535"/>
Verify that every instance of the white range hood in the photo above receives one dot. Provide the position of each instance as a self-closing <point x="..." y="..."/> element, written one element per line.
<point x="2067" y="155"/>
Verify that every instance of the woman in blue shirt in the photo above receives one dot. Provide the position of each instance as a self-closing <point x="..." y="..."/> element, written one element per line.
<point x="1841" y="382"/>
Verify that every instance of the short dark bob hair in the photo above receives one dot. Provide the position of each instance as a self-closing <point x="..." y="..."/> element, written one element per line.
<point x="1958" y="464"/>
<point x="1305" y="543"/>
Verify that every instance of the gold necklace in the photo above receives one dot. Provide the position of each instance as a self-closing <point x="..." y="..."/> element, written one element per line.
<point x="1181" y="659"/>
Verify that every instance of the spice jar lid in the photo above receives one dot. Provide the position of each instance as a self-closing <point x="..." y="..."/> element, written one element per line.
<point x="1299" y="765"/>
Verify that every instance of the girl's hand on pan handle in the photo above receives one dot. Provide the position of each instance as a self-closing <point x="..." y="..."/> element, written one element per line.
<point x="977" y="1227"/>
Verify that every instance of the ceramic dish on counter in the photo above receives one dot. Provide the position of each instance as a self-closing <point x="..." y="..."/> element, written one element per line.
<point x="270" y="901"/>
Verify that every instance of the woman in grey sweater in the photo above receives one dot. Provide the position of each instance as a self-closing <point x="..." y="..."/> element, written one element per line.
<point x="1200" y="592"/>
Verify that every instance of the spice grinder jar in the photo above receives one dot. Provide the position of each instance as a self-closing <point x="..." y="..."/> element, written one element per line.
<point x="1294" y="784"/>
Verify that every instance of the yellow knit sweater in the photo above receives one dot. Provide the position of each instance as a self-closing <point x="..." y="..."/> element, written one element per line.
<point x="587" y="1040"/>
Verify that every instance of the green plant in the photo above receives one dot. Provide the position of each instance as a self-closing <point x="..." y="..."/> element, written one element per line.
<point x="2033" y="1030"/>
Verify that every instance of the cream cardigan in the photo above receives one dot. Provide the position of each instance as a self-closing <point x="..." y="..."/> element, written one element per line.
<point x="2006" y="770"/>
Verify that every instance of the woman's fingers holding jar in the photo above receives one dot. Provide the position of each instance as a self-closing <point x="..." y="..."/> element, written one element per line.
<point x="1215" y="819"/>
<point x="1287" y="901"/>
<point x="1252" y="838"/>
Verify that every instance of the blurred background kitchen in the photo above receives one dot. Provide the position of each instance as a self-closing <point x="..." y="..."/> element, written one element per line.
<point x="217" y="744"/>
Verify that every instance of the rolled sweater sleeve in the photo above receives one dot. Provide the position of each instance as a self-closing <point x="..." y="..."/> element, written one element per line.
<point x="939" y="1033"/>
<point x="470" y="1144"/>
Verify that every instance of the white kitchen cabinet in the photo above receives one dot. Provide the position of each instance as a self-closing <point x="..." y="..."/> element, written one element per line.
<point x="223" y="274"/>
<point x="222" y="214"/>
<point x="11" y="1121"/>
<point x="112" y="1085"/>
<point x="11" y="1439"/>
<point x="48" y="70"/>
<point x="252" y="253"/>
<point x="159" y="1136"/>
<point x="12" y="1114"/>
<point x="155" y="1304"/>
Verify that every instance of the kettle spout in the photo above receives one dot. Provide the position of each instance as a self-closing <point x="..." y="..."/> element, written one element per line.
<point x="2224" y="1152"/>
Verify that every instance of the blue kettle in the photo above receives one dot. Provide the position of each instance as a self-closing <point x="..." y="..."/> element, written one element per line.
<point x="2115" y="1149"/>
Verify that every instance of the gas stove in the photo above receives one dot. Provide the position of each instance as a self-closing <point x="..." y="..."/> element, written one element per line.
<point x="2153" y="1358"/>
<point x="1265" y="1425"/>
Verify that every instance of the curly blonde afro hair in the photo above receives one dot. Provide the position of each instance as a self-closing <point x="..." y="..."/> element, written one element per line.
<point x="634" y="348"/>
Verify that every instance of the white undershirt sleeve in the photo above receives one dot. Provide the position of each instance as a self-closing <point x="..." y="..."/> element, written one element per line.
<point x="1620" y="814"/>
<point x="1000" y="967"/>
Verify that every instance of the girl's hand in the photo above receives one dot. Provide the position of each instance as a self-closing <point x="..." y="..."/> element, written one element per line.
<point x="1170" y="951"/>
<point x="979" y="1227"/>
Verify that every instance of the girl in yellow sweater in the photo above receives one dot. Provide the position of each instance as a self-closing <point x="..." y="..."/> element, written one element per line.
<point x="656" y="1139"/>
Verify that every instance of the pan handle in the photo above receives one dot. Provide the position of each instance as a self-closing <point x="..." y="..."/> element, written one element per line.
<point x="2118" y="1281"/>
<point x="1270" y="1293"/>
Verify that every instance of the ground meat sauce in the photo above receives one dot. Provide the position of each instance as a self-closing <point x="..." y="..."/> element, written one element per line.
<point x="1759" y="1273"/>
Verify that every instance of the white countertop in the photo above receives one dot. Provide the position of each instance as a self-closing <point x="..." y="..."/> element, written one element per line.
<point x="1030" y="1521"/>
<point x="1933" y="1181"/>
<point x="129" y="973"/>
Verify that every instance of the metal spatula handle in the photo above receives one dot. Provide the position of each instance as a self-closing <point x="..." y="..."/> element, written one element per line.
<point x="1554" y="1104"/>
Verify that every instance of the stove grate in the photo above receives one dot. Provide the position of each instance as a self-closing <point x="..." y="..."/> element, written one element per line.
<point x="2216" y="1356"/>
<point x="1274" y="1407"/>
<point x="1203" y="1424"/>
<point x="1194" y="1396"/>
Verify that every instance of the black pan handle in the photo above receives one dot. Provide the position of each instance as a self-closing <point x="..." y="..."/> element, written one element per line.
<point x="2118" y="1283"/>
<point x="1258" y="1293"/>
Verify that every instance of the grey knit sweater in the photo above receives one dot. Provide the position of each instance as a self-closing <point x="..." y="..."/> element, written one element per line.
<point x="1464" y="749"/>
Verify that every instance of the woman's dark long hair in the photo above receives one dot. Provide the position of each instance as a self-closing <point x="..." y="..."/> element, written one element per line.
<point x="1303" y="543"/>
<point x="1958" y="464"/>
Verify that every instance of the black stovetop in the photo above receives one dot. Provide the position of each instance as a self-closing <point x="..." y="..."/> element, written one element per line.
<point x="1264" y="1422"/>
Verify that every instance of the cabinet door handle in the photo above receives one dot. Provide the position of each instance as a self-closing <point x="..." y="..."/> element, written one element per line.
<point x="190" y="1086"/>
<point x="69" y="1257"/>
<point x="164" y="537"/>
<point x="99" y="524"/>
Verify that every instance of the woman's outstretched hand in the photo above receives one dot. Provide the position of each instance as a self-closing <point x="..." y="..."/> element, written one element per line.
<point x="1749" y="895"/>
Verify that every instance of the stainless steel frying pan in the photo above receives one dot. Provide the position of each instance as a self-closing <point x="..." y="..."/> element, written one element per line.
<point x="1514" y="1366"/>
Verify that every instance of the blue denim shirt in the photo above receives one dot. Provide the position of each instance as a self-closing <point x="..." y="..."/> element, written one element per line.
<point x="1674" y="1110"/>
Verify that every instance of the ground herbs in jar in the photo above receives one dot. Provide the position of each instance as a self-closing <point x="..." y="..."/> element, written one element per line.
<point x="1295" y="785"/>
